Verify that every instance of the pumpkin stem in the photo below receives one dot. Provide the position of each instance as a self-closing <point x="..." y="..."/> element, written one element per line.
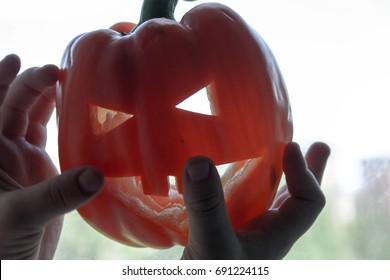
<point x="157" y="9"/>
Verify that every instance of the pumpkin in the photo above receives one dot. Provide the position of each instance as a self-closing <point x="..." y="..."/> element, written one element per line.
<point x="117" y="104"/>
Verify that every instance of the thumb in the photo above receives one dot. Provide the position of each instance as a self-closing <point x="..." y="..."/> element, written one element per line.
<point x="40" y="203"/>
<point x="210" y="230"/>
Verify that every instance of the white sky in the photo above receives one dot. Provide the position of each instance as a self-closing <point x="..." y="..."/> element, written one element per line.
<point x="334" y="54"/>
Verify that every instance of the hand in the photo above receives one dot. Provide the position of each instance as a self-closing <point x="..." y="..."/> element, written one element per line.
<point x="269" y="236"/>
<point x="31" y="206"/>
<point x="27" y="102"/>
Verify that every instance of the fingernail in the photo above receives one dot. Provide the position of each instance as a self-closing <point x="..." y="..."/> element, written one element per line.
<point x="198" y="170"/>
<point x="90" y="181"/>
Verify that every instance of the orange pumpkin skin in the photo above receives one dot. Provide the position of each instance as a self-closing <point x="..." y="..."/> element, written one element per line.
<point x="117" y="111"/>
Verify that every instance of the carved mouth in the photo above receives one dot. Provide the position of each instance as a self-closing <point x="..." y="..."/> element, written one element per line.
<point x="227" y="172"/>
<point x="130" y="191"/>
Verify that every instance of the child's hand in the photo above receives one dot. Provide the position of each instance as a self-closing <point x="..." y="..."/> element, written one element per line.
<point x="27" y="102"/>
<point x="269" y="236"/>
<point x="31" y="206"/>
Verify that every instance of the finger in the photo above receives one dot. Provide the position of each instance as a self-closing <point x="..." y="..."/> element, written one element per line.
<point x="316" y="158"/>
<point x="23" y="93"/>
<point x="39" y="116"/>
<point x="306" y="200"/>
<point x="301" y="182"/>
<point x="39" y="204"/>
<point x="42" y="109"/>
<point x="9" y="68"/>
<point x="210" y="229"/>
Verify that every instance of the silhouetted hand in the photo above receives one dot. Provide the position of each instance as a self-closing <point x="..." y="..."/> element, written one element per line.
<point x="269" y="236"/>
<point x="33" y="198"/>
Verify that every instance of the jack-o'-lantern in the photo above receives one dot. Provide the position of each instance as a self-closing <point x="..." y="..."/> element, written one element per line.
<point x="118" y="110"/>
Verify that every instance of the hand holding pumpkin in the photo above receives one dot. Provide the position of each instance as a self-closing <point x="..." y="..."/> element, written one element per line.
<point x="31" y="206"/>
<point x="268" y="236"/>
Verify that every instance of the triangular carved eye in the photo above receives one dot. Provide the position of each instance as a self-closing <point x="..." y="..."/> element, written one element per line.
<point x="104" y="120"/>
<point x="199" y="103"/>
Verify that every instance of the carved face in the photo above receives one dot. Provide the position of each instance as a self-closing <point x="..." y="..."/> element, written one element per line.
<point x="119" y="110"/>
